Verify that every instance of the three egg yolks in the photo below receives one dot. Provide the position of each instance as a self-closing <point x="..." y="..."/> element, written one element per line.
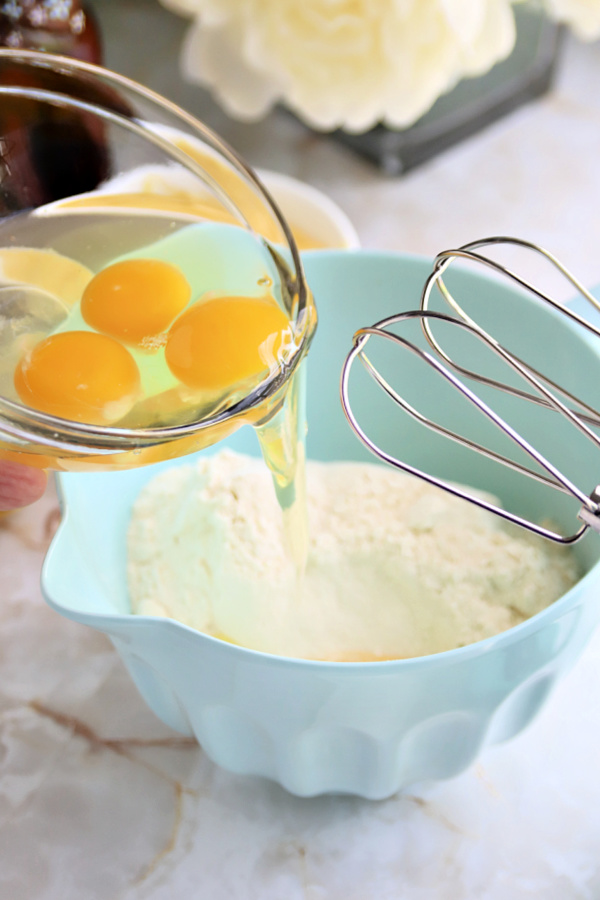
<point x="92" y="377"/>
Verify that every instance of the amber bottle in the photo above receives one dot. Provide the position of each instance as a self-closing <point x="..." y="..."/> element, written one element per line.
<point x="55" y="26"/>
<point x="48" y="151"/>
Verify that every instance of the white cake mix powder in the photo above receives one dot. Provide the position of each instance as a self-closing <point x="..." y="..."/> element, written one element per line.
<point x="396" y="568"/>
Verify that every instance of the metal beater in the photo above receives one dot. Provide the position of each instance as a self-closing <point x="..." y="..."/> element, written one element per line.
<point x="544" y="392"/>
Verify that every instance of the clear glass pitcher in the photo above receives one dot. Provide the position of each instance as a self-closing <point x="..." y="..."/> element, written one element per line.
<point x="95" y="168"/>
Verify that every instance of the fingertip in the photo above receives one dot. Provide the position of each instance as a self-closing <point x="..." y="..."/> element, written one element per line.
<point x="20" y="485"/>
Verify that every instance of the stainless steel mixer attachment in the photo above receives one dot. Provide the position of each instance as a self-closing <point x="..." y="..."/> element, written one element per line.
<point x="539" y="388"/>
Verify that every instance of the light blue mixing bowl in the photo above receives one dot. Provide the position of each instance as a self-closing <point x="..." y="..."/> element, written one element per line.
<point x="361" y="728"/>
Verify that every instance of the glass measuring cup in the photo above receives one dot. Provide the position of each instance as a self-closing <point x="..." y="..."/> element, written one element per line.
<point x="92" y="167"/>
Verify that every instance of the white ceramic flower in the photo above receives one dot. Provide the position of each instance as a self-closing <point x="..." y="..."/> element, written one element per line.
<point x="341" y="63"/>
<point x="583" y="16"/>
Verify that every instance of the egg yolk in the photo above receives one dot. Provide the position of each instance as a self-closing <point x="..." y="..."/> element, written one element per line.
<point x="217" y="343"/>
<point x="135" y="300"/>
<point x="79" y="375"/>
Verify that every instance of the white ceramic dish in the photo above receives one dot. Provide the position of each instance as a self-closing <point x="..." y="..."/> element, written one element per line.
<point x="312" y="210"/>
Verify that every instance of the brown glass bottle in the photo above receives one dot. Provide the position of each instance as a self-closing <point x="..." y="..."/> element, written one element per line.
<point x="50" y="151"/>
<point x="67" y="27"/>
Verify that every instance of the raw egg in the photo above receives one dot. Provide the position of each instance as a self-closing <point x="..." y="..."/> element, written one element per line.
<point x="135" y="299"/>
<point x="79" y="375"/>
<point x="218" y="343"/>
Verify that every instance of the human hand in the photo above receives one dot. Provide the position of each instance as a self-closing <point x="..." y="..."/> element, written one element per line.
<point x="20" y="485"/>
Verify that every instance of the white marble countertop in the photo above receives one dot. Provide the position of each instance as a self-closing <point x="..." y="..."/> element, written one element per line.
<point x="98" y="801"/>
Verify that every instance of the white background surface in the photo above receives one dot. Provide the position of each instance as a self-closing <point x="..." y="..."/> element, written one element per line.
<point x="98" y="800"/>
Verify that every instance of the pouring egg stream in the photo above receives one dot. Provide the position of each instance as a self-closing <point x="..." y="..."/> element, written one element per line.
<point x="171" y="333"/>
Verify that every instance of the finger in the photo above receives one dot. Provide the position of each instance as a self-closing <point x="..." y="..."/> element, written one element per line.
<point x="20" y="485"/>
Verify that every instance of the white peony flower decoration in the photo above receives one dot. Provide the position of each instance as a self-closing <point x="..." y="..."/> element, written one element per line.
<point x="583" y="16"/>
<point x="350" y="63"/>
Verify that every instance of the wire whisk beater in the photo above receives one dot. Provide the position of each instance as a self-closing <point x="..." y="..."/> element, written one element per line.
<point x="529" y="385"/>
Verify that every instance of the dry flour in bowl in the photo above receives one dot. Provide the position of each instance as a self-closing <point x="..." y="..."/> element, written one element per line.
<point x="396" y="568"/>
